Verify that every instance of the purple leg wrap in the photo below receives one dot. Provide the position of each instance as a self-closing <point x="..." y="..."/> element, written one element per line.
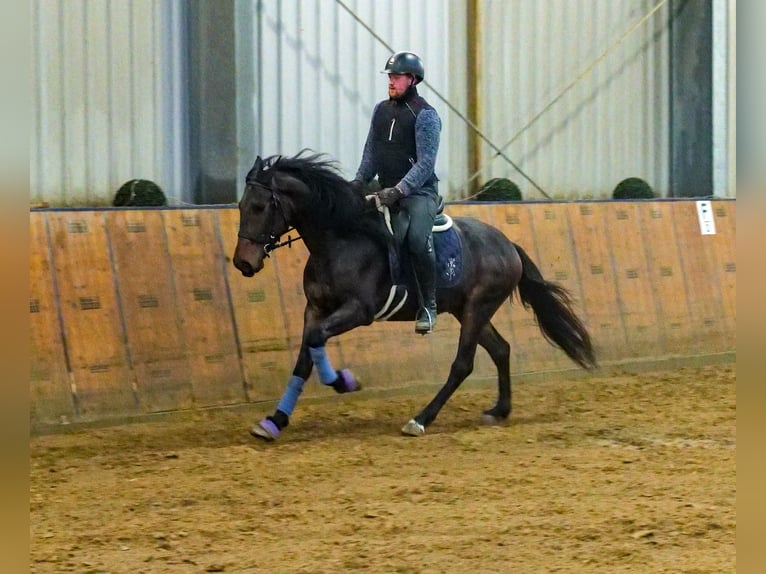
<point x="349" y="380"/>
<point x="346" y="382"/>
<point x="266" y="429"/>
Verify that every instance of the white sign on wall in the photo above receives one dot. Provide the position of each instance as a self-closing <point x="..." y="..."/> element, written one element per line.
<point x="705" y="214"/>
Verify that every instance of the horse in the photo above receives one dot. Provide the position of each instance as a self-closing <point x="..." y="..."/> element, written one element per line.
<point x="347" y="282"/>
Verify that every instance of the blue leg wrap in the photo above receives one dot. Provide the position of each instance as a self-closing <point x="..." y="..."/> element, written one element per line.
<point x="290" y="396"/>
<point x="326" y="373"/>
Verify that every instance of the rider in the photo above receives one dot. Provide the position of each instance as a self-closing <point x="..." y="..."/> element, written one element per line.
<point x="401" y="150"/>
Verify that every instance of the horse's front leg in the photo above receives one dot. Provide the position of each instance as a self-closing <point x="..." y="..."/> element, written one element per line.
<point x="270" y="427"/>
<point x="316" y="331"/>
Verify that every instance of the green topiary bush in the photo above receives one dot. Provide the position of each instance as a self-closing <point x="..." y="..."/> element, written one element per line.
<point x="633" y="188"/>
<point x="499" y="189"/>
<point x="139" y="192"/>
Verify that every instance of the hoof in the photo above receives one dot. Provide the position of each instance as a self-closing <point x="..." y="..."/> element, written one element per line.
<point x="488" y="419"/>
<point x="266" y="430"/>
<point x="346" y="382"/>
<point x="413" y="428"/>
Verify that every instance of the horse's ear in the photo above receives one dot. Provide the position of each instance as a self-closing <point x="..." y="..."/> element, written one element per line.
<point x="252" y="175"/>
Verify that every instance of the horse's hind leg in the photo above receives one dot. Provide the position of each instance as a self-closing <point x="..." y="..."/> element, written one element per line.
<point x="500" y="352"/>
<point x="462" y="366"/>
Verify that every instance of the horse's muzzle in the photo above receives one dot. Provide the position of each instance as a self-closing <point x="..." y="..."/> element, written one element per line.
<point x="248" y="257"/>
<point x="245" y="268"/>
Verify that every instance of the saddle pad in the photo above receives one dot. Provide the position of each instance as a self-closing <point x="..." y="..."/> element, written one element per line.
<point x="449" y="257"/>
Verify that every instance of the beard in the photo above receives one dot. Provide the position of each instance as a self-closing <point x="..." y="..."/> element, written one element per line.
<point x="405" y="95"/>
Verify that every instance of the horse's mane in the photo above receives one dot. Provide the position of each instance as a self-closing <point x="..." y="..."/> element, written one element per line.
<point x="332" y="201"/>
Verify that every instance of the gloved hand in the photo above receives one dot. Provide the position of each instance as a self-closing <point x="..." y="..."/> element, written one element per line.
<point x="388" y="196"/>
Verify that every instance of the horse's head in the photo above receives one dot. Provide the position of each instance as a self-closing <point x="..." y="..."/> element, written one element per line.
<point x="263" y="218"/>
<point x="306" y="192"/>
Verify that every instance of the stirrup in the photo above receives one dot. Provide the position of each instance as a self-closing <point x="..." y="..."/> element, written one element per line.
<point x="425" y="324"/>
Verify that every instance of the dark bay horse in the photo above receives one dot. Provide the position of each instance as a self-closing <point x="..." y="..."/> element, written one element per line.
<point x="347" y="281"/>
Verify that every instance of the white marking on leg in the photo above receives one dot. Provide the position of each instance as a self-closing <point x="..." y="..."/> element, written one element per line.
<point x="413" y="428"/>
<point x="491" y="419"/>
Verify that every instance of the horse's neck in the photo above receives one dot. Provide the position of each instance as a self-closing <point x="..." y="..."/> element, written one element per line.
<point x="318" y="239"/>
<point x="327" y="243"/>
<point x="320" y="235"/>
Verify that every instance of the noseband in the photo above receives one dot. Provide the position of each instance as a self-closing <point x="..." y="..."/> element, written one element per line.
<point x="270" y="240"/>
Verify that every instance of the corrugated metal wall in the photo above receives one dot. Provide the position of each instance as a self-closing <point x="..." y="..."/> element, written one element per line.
<point x="316" y="60"/>
<point x="318" y="71"/>
<point x="612" y="124"/>
<point x="109" y="100"/>
<point x="100" y="106"/>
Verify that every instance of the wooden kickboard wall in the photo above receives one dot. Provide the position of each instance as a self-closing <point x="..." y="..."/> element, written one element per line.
<point x="139" y="311"/>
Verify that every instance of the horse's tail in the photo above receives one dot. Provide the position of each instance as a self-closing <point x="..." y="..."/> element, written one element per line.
<point x="555" y="316"/>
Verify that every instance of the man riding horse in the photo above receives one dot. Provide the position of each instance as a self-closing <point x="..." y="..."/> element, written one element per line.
<point x="401" y="149"/>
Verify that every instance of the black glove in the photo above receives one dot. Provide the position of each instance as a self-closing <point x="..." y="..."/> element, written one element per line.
<point x="389" y="196"/>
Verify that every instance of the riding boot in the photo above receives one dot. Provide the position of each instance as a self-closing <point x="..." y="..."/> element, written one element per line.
<point x="425" y="275"/>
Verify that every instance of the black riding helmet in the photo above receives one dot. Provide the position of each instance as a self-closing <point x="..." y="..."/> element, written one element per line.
<point x="406" y="63"/>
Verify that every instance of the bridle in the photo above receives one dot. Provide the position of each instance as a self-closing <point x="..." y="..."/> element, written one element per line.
<point x="270" y="240"/>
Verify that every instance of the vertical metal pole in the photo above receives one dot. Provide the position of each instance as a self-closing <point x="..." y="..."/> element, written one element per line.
<point x="720" y="94"/>
<point x="473" y="75"/>
<point x="691" y="98"/>
<point x="175" y="100"/>
<point x="212" y="101"/>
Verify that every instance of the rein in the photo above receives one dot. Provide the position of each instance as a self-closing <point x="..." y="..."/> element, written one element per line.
<point x="269" y="247"/>
<point x="270" y="241"/>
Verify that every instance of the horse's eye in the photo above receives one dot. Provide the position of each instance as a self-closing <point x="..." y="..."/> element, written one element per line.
<point x="257" y="207"/>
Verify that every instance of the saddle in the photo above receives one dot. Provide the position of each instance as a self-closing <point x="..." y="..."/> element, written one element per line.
<point x="447" y="247"/>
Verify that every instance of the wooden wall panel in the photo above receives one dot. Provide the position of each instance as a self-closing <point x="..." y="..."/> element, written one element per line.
<point x="633" y="286"/>
<point x="702" y="279"/>
<point x="725" y="250"/>
<point x="152" y="319"/>
<point x="153" y="311"/>
<point x="104" y="384"/>
<point x="260" y="319"/>
<point x="203" y="302"/>
<point x="50" y="398"/>
<point x="597" y="275"/>
<point x="663" y="256"/>
<point x="556" y="260"/>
